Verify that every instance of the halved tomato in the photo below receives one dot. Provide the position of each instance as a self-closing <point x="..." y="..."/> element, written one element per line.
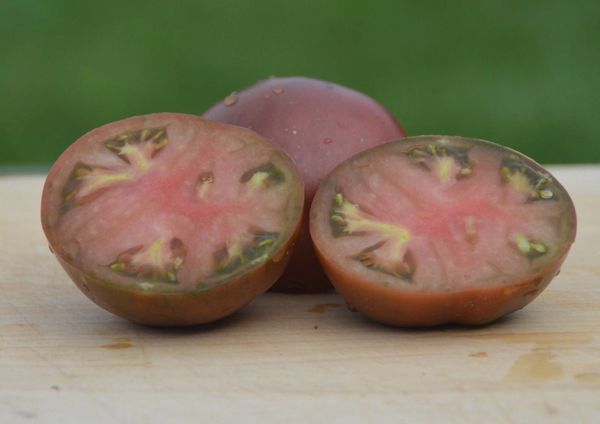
<point x="169" y="219"/>
<point x="436" y="229"/>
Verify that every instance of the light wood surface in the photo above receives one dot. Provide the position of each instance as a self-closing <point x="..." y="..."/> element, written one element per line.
<point x="285" y="358"/>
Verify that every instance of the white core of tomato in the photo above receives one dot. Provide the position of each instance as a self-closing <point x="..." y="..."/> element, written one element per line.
<point x="461" y="225"/>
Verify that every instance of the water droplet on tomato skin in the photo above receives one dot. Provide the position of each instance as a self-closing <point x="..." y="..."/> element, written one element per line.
<point x="231" y="100"/>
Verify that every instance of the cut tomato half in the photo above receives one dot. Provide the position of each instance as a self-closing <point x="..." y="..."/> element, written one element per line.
<point x="434" y="229"/>
<point x="169" y="219"/>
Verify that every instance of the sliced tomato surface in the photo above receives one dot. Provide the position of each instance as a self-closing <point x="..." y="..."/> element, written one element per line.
<point x="440" y="214"/>
<point x="170" y="203"/>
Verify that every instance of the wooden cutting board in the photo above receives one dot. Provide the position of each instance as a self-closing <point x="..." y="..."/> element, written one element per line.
<point x="291" y="358"/>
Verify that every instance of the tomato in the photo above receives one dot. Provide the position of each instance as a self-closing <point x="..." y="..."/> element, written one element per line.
<point x="169" y="219"/>
<point x="319" y="124"/>
<point x="435" y="229"/>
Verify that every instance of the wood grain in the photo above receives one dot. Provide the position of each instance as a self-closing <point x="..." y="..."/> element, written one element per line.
<point x="291" y="358"/>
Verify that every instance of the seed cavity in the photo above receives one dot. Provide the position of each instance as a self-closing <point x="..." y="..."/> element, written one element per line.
<point x="346" y="218"/>
<point x="158" y="262"/>
<point x="447" y="162"/>
<point x="135" y="148"/>
<point x="86" y="180"/>
<point x="266" y="175"/>
<point x="376" y="258"/>
<point x="529" y="248"/>
<point x="139" y="147"/>
<point x="205" y="182"/>
<point x="244" y="251"/>
<point x="390" y="255"/>
<point x="525" y="179"/>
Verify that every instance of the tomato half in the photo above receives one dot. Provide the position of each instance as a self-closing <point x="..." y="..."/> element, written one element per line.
<point x="436" y="229"/>
<point x="169" y="219"/>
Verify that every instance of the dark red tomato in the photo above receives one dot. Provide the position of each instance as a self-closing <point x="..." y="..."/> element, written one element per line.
<point x="437" y="229"/>
<point x="319" y="124"/>
<point x="169" y="219"/>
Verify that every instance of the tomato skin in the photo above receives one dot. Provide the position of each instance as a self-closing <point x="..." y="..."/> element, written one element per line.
<point x="173" y="307"/>
<point x="319" y="124"/>
<point x="422" y="309"/>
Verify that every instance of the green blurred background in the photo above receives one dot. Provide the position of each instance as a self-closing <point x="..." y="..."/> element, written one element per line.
<point x="521" y="73"/>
